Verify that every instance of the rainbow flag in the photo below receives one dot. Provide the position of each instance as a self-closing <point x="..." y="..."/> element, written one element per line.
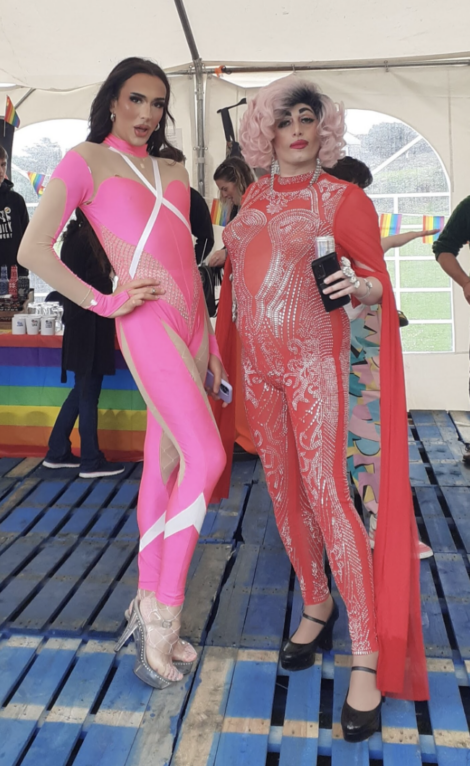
<point x="390" y="224"/>
<point x="432" y="222"/>
<point x="219" y="213"/>
<point x="11" y="115"/>
<point x="37" y="180"/>
<point x="31" y="395"/>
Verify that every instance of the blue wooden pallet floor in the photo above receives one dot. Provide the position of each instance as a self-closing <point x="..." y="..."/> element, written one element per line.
<point x="68" y="570"/>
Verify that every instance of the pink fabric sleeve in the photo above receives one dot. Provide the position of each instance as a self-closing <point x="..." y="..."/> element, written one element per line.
<point x="71" y="186"/>
<point x="214" y="346"/>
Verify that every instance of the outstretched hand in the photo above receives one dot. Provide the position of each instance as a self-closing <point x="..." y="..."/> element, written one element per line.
<point x="140" y="291"/>
<point x="428" y="233"/>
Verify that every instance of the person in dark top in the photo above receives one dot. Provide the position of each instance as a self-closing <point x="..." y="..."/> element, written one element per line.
<point x="199" y="215"/>
<point x="352" y="170"/>
<point x="13" y="219"/>
<point x="454" y="235"/>
<point x="233" y="177"/>
<point x="88" y="351"/>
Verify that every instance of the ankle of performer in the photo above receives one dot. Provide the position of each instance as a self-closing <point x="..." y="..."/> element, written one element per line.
<point x="366" y="660"/>
<point x="143" y="593"/>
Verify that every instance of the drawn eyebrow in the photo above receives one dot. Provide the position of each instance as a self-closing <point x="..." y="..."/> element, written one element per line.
<point x="159" y="99"/>
<point x="288" y="113"/>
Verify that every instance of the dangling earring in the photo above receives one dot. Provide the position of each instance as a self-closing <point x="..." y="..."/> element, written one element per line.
<point x="317" y="172"/>
<point x="113" y="116"/>
<point x="274" y="170"/>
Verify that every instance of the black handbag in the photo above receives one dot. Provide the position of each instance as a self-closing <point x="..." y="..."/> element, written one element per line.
<point x="208" y="286"/>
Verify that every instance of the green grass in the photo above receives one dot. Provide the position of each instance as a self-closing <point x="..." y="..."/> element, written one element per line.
<point x="383" y="205"/>
<point x="426" y="305"/>
<point x="416" y="247"/>
<point x="424" y="205"/>
<point x="422" y="274"/>
<point x="427" y="337"/>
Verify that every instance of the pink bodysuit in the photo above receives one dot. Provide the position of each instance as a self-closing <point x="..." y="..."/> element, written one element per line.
<point x="145" y="232"/>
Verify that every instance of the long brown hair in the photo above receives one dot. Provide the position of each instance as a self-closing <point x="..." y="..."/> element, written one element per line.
<point x="235" y="170"/>
<point x="82" y="228"/>
<point x="100" y="114"/>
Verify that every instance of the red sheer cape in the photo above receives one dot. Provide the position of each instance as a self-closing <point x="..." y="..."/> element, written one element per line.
<point x="402" y="664"/>
<point x="226" y="334"/>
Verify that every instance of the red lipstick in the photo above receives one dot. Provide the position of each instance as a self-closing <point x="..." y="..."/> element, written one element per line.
<point x="299" y="145"/>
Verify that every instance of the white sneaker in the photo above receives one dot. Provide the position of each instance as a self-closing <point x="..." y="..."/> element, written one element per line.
<point x="102" y="470"/>
<point x="424" y="551"/>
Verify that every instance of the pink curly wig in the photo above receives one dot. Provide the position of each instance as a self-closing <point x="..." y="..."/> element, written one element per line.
<point x="258" y="122"/>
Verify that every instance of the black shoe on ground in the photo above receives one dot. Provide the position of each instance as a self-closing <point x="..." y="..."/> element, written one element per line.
<point x="70" y="461"/>
<point x="359" y="725"/>
<point x="295" y="656"/>
<point x="402" y="319"/>
<point x="102" y="469"/>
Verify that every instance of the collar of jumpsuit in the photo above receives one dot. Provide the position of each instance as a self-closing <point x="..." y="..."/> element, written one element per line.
<point x="122" y="146"/>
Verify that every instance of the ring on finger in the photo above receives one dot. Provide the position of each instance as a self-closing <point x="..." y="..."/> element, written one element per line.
<point x="153" y="291"/>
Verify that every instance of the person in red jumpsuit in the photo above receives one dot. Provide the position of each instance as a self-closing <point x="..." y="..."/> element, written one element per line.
<point x="295" y="358"/>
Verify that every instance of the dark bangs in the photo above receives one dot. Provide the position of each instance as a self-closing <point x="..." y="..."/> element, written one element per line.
<point x="304" y="95"/>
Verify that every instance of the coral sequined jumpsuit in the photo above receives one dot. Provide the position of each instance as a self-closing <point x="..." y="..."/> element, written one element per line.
<point x="295" y="359"/>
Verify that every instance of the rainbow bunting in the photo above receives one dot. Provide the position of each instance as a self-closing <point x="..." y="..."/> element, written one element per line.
<point x="431" y="222"/>
<point x="219" y="213"/>
<point x="390" y="224"/>
<point x="11" y="115"/>
<point x="37" y="180"/>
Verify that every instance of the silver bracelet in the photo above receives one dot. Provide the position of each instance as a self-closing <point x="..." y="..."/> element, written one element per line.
<point x="369" y="286"/>
<point x="86" y="296"/>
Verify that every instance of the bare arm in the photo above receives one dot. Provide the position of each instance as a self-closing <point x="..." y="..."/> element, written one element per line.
<point x="449" y="263"/>
<point x="399" y="240"/>
<point x="356" y="231"/>
<point x="71" y="186"/>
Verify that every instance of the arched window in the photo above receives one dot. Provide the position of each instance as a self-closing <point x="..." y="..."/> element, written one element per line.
<point x="39" y="148"/>
<point x="409" y="179"/>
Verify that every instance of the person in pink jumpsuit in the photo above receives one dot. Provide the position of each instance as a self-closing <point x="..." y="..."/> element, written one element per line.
<point x="139" y="208"/>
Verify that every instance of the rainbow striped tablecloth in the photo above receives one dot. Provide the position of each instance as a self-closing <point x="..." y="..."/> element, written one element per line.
<point x="31" y="395"/>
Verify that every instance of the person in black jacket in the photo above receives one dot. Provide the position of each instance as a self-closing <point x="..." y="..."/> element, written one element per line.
<point x="88" y="351"/>
<point x="13" y="219"/>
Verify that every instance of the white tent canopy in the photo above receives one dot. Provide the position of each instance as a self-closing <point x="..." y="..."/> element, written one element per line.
<point x="58" y="45"/>
<point x="407" y="60"/>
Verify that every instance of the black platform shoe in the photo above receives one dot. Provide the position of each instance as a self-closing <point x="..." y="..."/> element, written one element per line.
<point x="403" y="320"/>
<point x="359" y="725"/>
<point x="295" y="656"/>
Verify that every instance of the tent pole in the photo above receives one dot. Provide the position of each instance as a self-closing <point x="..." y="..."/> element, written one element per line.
<point x="210" y="69"/>
<point x="26" y="95"/>
<point x="198" y="75"/>
<point x="200" y="133"/>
